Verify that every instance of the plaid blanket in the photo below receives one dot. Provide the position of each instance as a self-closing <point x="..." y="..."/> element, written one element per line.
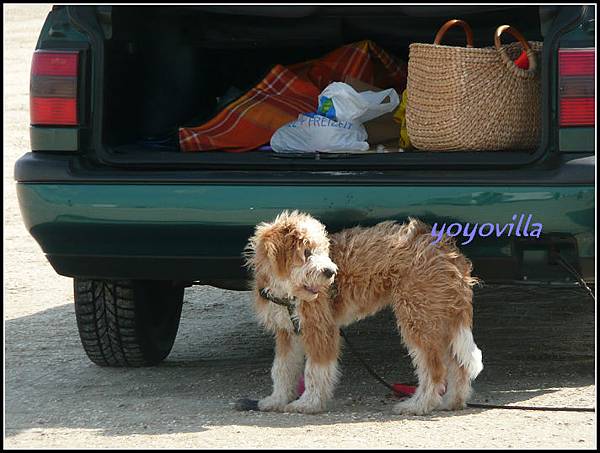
<point x="250" y="121"/>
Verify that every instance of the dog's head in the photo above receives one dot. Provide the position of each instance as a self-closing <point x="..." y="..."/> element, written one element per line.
<point x="292" y="255"/>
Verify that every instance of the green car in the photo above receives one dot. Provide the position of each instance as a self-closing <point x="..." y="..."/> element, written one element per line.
<point x="114" y="204"/>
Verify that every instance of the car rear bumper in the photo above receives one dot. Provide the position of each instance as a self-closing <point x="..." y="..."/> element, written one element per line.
<point x="196" y="232"/>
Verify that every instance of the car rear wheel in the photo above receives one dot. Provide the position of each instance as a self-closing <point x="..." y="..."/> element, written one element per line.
<point x="127" y="323"/>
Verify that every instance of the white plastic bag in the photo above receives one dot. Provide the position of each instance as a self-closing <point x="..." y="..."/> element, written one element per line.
<point x="312" y="132"/>
<point x="340" y="102"/>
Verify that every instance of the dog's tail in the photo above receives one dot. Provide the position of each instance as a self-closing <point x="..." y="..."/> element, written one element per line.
<point x="467" y="354"/>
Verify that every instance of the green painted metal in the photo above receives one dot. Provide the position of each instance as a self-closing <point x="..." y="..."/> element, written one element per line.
<point x="54" y="138"/>
<point x="215" y="221"/>
<point x="583" y="34"/>
<point x="58" y="27"/>
<point x="577" y="139"/>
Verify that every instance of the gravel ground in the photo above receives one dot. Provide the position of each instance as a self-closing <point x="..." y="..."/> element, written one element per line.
<point x="538" y="347"/>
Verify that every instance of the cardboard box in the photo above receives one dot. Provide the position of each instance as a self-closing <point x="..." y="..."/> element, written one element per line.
<point x="382" y="129"/>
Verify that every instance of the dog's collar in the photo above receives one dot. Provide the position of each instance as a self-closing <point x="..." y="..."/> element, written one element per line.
<point x="284" y="302"/>
<point x="288" y="303"/>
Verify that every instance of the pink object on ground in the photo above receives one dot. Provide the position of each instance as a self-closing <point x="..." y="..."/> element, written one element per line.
<point x="407" y="390"/>
<point x="400" y="389"/>
<point x="404" y="389"/>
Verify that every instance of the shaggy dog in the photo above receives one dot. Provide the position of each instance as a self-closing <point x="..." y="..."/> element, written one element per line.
<point x="428" y="286"/>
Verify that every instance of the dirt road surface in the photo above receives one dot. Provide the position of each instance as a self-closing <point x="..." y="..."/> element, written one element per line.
<point x="538" y="348"/>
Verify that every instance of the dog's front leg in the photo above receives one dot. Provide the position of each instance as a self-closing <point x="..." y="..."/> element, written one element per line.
<point x="319" y="382"/>
<point x="286" y="371"/>
<point x="320" y="373"/>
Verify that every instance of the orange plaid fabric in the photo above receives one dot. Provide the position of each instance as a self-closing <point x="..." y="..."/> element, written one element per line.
<point x="250" y="121"/>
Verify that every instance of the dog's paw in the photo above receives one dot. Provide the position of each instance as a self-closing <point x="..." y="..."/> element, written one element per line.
<point x="411" y="407"/>
<point x="272" y="404"/>
<point x="452" y="405"/>
<point x="304" y="407"/>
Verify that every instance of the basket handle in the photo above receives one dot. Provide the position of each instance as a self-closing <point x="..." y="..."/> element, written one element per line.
<point x="511" y="31"/>
<point x="451" y="23"/>
<point x="516" y="34"/>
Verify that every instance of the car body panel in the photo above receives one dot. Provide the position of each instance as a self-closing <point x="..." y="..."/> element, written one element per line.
<point x="208" y="223"/>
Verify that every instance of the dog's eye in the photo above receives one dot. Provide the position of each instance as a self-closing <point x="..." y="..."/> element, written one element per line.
<point x="307" y="253"/>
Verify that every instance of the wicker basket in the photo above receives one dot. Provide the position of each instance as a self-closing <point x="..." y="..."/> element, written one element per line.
<point x="473" y="99"/>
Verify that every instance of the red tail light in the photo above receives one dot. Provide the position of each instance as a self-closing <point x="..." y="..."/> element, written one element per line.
<point x="53" y="88"/>
<point x="577" y="87"/>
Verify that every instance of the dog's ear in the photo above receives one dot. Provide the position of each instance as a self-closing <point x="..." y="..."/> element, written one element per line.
<point x="281" y="246"/>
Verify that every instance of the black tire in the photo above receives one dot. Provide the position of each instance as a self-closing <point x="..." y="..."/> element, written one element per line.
<point x="127" y="323"/>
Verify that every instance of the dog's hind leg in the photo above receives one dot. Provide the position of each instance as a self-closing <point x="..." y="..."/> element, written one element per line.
<point x="286" y="371"/>
<point x="458" y="388"/>
<point x="464" y="364"/>
<point x="427" y="352"/>
<point x="431" y="374"/>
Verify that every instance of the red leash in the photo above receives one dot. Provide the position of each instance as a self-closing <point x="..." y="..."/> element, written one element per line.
<point x="407" y="389"/>
<point x="399" y="389"/>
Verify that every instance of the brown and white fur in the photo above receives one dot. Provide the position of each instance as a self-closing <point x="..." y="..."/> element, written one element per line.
<point x="427" y="285"/>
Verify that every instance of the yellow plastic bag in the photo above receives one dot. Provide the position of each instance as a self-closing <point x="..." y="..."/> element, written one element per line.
<point x="400" y="118"/>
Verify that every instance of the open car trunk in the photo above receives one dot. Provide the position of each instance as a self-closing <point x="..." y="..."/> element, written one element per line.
<point x="167" y="67"/>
